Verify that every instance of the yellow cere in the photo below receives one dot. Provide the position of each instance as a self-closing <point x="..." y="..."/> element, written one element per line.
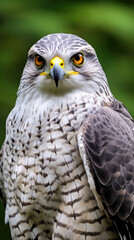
<point x="57" y="60"/>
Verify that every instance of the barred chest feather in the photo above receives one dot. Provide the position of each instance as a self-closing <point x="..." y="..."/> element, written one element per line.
<point x="45" y="180"/>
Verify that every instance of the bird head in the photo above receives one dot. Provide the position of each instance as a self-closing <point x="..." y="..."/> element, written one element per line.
<point x="61" y="63"/>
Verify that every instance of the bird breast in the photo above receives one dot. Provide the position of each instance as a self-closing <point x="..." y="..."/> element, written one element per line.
<point x="43" y="165"/>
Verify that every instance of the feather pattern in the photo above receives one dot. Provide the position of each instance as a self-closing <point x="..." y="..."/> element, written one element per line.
<point x="108" y="140"/>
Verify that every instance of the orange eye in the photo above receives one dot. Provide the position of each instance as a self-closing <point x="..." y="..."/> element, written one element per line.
<point x="78" y="59"/>
<point x="39" y="61"/>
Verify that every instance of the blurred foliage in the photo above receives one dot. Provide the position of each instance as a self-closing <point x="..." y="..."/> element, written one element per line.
<point x="107" y="25"/>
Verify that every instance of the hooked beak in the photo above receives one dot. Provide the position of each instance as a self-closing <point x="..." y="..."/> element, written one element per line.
<point x="57" y="71"/>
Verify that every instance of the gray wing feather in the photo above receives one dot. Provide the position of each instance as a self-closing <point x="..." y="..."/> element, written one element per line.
<point x="108" y="139"/>
<point x="2" y="194"/>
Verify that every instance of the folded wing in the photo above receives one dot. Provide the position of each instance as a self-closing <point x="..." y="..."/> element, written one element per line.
<point x="108" y="141"/>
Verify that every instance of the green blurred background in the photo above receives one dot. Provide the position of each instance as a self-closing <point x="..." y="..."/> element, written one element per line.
<point x="107" y="25"/>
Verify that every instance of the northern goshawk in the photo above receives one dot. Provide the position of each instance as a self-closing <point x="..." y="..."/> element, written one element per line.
<point x="67" y="162"/>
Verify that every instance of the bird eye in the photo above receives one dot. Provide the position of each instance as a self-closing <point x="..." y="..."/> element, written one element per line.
<point x="39" y="61"/>
<point x="78" y="59"/>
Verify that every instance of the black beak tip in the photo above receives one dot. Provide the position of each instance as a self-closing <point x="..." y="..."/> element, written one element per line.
<point x="56" y="82"/>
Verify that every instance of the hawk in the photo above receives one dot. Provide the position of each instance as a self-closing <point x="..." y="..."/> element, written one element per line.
<point x="67" y="162"/>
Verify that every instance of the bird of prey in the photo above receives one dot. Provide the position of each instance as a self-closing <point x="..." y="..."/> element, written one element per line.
<point x="67" y="162"/>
